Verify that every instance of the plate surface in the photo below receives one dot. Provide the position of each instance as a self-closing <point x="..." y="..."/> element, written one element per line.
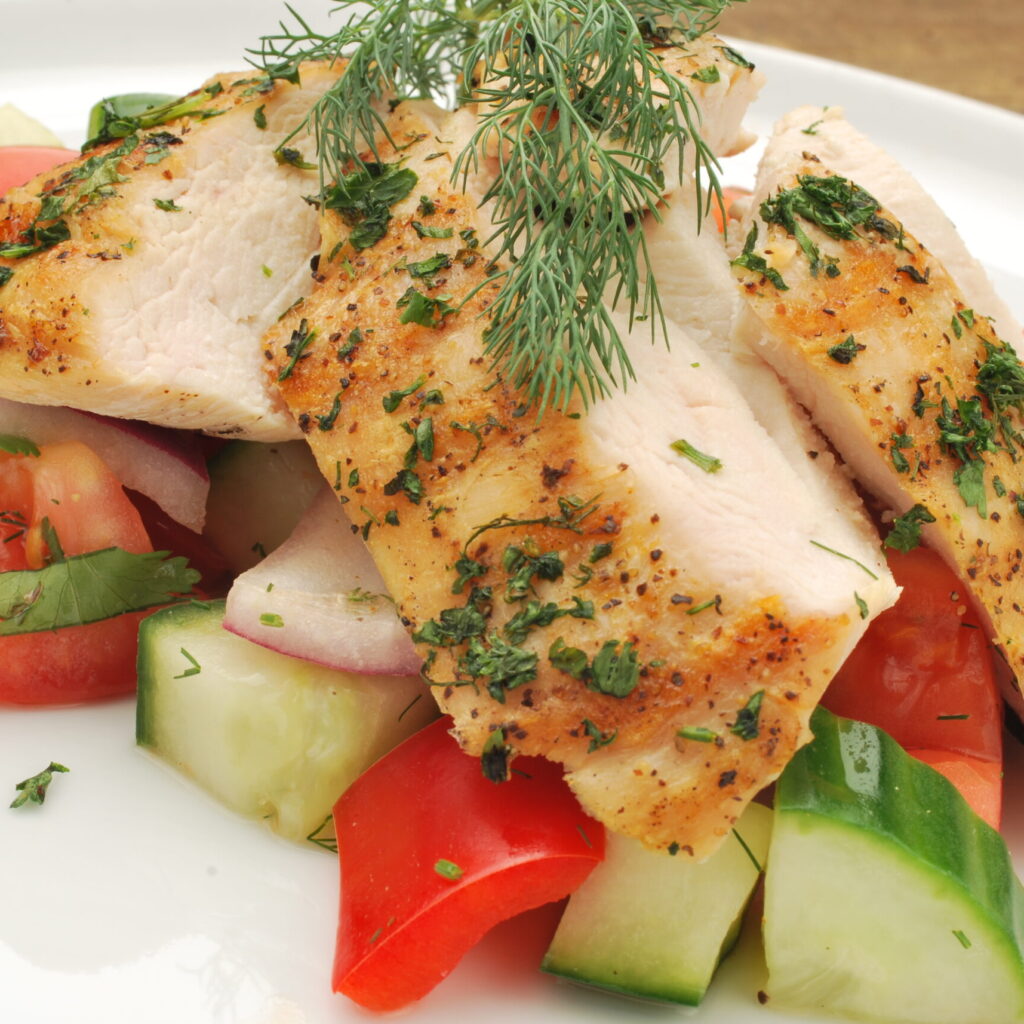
<point x="131" y="897"/>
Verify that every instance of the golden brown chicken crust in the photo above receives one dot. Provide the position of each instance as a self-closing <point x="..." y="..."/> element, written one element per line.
<point x="97" y="249"/>
<point x="500" y="517"/>
<point x="910" y="405"/>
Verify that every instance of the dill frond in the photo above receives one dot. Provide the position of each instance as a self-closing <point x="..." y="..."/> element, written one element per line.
<point x="582" y="116"/>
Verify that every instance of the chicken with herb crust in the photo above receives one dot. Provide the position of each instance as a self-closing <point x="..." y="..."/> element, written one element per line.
<point x="913" y="386"/>
<point x="138" y="280"/>
<point x="643" y="590"/>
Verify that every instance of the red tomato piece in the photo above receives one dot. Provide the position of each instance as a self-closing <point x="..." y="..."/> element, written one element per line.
<point x="20" y="164"/>
<point x="433" y="855"/>
<point x="923" y="671"/>
<point x="980" y="782"/>
<point x="71" y="486"/>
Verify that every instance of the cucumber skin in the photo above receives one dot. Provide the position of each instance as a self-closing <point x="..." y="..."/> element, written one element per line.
<point x="176" y="617"/>
<point x="930" y="820"/>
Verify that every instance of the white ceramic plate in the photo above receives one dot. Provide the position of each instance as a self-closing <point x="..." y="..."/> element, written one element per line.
<point x="131" y="898"/>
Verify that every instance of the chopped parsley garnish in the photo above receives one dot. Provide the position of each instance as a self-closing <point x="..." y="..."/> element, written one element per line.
<point x="14" y="445"/>
<point x="194" y="668"/>
<point x="708" y="74"/>
<point x="272" y="619"/>
<point x="424" y="310"/>
<point x="598" y="738"/>
<point x="167" y="204"/>
<point x="504" y="665"/>
<point x="706" y="462"/>
<point x="746" y="724"/>
<point x="393" y="399"/>
<point x="364" y="199"/>
<point x="905" y="534"/>
<point x="448" y="869"/>
<point x="697" y="733"/>
<point x="429" y="231"/>
<point x="845" y="351"/>
<point x="494" y="757"/>
<point x="295" y="348"/>
<point x="834" y="204"/>
<point x="750" y="260"/>
<point x="33" y="790"/>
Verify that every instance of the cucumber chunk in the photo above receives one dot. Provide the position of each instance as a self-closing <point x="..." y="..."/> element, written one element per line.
<point x="270" y="736"/>
<point x="258" y="493"/>
<point x="648" y="924"/>
<point x="886" y="898"/>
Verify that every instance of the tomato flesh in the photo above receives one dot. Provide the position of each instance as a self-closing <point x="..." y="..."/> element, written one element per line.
<point x="20" y="164"/>
<point x="69" y="485"/>
<point x="405" y="918"/>
<point x="979" y="782"/>
<point x="923" y="672"/>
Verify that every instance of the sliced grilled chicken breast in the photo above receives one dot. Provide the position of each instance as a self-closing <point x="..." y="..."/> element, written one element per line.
<point x="825" y="133"/>
<point x="645" y="592"/>
<point x="171" y="254"/>
<point x="908" y="381"/>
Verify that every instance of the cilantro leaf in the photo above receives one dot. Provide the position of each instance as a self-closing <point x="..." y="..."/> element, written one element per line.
<point x="90" y="587"/>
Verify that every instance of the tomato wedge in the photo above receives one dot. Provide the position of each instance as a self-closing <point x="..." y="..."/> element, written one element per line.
<point x="69" y="485"/>
<point x="923" y="672"/>
<point x="432" y="855"/>
<point x="20" y="164"/>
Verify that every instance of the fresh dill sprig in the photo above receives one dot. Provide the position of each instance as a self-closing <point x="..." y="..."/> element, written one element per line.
<point x="583" y="118"/>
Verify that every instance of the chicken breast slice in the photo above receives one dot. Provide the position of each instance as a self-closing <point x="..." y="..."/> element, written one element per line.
<point x="825" y="133"/>
<point x="909" y="382"/>
<point x="185" y="242"/>
<point x="644" y="592"/>
<point x="698" y="291"/>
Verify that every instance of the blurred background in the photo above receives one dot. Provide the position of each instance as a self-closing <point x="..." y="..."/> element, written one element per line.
<point x="973" y="47"/>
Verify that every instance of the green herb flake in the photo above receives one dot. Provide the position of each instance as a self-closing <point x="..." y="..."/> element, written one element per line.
<point x="962" y="938"/>
<point x="194" y="668"/>
<point x="259" y="116"/>
<point x="845" y="351"/>
<point x="846" y="558"/>
<point x="494" y="758"/>
<point x="708" y="463"/>
<point x="429" y="231"/>
<point x="323" y="835"/>
<point x="295" y="348"/>
<point x="749" y="852"/>
<point x="615" y="669"/>
<point x="327" y="420"/>
<point x="33" y="790"/>
<point x="272" y="619"/>
<point x="862" y="605"/>
<point x="746" y="724"/>
<point x="735" y="57"/>
<point x="448" y="869"/>
<point x="14" y="445"/>
<point x="167" y="204"/>
<point x="952" y="718"/>
<point x="364" y="197"/>
<point x="708" y="74"/>
<point x="757" y="264"/>
<point x="697" y="733"/>
<point x="286" y="155"/>
<point x="393" y="399"/>
<point x="598" y="737"/>
<point x="905" y="534"/>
